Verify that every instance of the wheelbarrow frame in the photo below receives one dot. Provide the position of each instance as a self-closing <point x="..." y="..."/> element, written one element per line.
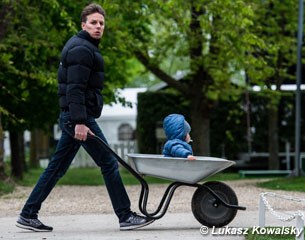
<point x="168" y="194"/>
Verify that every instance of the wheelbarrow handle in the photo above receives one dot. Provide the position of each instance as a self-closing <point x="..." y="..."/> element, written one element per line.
<point x="120" y="160"/>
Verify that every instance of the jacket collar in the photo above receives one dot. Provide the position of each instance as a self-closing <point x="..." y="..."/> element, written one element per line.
<point x="85" y="35"/>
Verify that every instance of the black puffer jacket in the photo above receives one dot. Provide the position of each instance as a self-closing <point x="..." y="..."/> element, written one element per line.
<point x="81" y="77"/>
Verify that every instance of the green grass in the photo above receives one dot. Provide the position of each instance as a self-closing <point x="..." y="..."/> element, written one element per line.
<point x="74" y="176"/>
<point x="84" y="176"/>
<point x="287" y="184"/>
<point x="92" y="177"/>
<point x="254" y="235"/>
<point x="6" y="186"/>
<point x="224" y="176"/>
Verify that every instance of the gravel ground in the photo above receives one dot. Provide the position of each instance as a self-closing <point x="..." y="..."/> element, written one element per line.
<point x="75" y="200"/>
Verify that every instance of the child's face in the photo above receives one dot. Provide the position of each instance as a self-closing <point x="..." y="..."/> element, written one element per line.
<point x="188" y="138"/>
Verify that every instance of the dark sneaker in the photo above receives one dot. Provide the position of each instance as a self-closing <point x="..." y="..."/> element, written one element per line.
<point x="32" y="224"/>
<point x="135" y="221"/>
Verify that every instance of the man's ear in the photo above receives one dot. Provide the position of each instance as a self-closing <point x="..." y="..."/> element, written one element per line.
<point x="83" y="25"/>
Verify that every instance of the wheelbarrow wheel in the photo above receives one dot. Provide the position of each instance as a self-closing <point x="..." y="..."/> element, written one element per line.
<point x="208" y="210"/>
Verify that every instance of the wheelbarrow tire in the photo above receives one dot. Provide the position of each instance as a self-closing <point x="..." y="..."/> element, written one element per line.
<point x="208" y="210"/>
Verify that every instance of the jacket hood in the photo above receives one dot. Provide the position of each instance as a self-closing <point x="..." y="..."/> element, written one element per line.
<point x="176" y="127"/>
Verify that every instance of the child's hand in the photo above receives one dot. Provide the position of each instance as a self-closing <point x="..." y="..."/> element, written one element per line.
<point x="191" y="157"/>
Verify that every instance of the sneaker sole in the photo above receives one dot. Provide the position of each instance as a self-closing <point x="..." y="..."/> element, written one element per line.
<point x="135" y="226"/>
<point x="31" y="228"/>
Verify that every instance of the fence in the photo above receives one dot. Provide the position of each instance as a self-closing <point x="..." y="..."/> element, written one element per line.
<point x="82" y="159"/>
<point x="297" y="215"/>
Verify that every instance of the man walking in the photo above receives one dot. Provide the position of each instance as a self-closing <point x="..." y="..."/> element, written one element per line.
<point x="80" y="81"/>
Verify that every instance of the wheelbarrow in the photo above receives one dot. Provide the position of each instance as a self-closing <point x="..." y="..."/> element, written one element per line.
<point x="213" y="203"/>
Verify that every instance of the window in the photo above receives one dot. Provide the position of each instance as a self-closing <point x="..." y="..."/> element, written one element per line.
<point x="126" y="132"/>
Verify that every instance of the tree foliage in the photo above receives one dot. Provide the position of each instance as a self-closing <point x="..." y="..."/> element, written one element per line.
<point x="277" y="24"/>
<point x="208" y="43"/>
<point x="32" y="37"/>
<point x="29" y="60"/>
<point x="32" y="34"/>
<point x="204" y="49"/>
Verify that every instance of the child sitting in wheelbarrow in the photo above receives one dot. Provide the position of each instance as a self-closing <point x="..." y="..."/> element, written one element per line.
<point x="177" y="131"/>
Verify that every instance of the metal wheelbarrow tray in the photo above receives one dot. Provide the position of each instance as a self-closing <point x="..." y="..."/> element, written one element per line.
<point x="214" y="204"/>
<point x="177" y="169"/>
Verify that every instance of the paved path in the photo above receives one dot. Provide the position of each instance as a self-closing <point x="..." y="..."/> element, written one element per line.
<point x="74" y="217"/>
<point x="180" y="226"/>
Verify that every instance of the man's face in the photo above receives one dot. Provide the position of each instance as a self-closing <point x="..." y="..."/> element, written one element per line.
<point x="94" y="25"/>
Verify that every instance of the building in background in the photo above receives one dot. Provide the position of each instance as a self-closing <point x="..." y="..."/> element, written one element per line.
<point x="118" y="124"/>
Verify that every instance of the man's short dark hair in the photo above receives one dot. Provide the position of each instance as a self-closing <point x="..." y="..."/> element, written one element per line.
<point x="90" y="9"/>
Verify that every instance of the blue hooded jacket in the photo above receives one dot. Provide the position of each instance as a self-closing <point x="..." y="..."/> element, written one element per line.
<point x="176" y="129"/>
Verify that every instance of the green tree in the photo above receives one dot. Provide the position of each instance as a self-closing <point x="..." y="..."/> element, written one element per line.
<point x="213" y="40"/>
<point x="276" y="23"/>
<point x="2" y="169"/>
<point x="32" y="34"/>
<point x="29" y="56"/>
<point x="3" y="24"/>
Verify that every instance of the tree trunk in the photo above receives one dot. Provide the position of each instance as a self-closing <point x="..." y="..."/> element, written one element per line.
<point x="2" y="169"/>
<point x="200" y="120"/>
<point x="199" y="109"/>
<point x="17" y="154"/>
<point x="200" y="134"/>
<point x="273" y="139"/>
<point x="21" y="151"/>
<point x="33" y="149"/>
<point x="39" y="147"/>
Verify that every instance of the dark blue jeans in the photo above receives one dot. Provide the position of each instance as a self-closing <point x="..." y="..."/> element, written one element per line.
<point x="66" y="150"/>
